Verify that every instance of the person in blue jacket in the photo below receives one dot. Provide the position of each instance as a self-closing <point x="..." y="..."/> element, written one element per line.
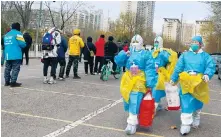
<point x="138" y="62"/>
<point x="62" y="49"/>
<point x="195" y="61"/>
<point x="14" y="43"/>
<point x="160" y="61"/>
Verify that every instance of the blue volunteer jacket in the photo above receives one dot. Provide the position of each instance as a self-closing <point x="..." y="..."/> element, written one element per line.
<point x="62" y="49"/>
<point x="14" y="42"/>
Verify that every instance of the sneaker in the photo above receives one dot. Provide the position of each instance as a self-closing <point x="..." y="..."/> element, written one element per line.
<point x="76" y="77"/>
<point x="99" y="74"/>
<point x="45" y="80"/>
<point x="92" y="74"/>
<point x="95" y="73"/>
<point x="16" y="84"/>
<point x="51" y="81"/>
<point x="7" y="83"/>
<point x="67" y="76"/>
<point x="60" y="78"/>
<point x="86" y="74"/>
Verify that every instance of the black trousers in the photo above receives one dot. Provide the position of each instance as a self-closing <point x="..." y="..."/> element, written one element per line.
<point x="73" y="60"/>
<point x="50" y="62"/>
<point x="62" y="63"/>
<point x="99" y="60"/>
<point x="89" y="62"/>
<point x="26" y="52"/>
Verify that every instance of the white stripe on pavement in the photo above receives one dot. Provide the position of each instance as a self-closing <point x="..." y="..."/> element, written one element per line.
<point x="82" y="120"/>
<point x="69" y="94"/>
<point x="67" y="121"/>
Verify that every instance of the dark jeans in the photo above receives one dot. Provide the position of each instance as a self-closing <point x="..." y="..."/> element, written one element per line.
<point x="50" y="62"/>
<point x="14" y="67"/>
<point x="89" y="62"/>
<point x="62" y="63"/>
<point x="112" y="60"/>
<point x="99" y="60"/>
<point x="25" y="51"/>
<point x="73" y="60"/>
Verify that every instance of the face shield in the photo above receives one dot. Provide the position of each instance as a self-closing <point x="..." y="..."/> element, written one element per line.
<point x="158" y="42"/>
<point x="137" y="42"/>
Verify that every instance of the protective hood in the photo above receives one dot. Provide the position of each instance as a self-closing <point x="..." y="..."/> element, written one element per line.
<point x="160" y="42"/>
<point x="137" y="42"/>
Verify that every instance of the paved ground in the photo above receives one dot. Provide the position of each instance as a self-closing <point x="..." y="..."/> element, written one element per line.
<point x="86" y="108"/>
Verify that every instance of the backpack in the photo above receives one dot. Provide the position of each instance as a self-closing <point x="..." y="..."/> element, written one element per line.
<point x="46" y="42"/>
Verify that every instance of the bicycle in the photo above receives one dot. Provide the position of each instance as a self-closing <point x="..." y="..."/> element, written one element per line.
<point x="106" y="71"/>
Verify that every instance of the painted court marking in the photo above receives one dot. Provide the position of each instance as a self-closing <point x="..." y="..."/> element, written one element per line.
<point x="70" y="122"/>
<point x="83" y="119"/>
<point x="68" y="94"/>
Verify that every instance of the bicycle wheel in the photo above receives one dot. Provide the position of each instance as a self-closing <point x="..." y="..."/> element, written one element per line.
<point x="104" y="73"/>
<point x="117" y="73"/>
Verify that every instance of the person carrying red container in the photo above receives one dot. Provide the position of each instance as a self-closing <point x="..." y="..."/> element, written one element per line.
<point x="136" y="80"/>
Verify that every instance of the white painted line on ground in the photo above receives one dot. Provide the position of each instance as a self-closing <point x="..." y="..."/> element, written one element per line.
<point x="120" y="130"/>
<point x="211" y="114"/>
<point x="215" y="100"/>
<point x="215" y="85"/>
<point x="35" y="116"/>
<point x="83" y="119"/>
<point x="68" y="94"/>
<point x="98" y="84"/>
<point x="83" y="124"/>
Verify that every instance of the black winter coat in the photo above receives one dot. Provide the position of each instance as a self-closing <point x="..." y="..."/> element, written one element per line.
<point x="28" y="40"/>
<point x="86" y="52"/>
<point x="110" y="49"/>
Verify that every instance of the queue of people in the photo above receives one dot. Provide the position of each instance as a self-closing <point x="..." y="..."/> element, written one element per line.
<point x="55" y="46"/>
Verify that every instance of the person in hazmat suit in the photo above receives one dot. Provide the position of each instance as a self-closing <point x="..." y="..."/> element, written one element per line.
<point x="164" y="62"/>
<point x="193" y="71"/>
<point x="134" y="81"/>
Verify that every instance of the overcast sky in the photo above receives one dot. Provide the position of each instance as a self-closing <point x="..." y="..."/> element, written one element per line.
<point x="192" y="10"/>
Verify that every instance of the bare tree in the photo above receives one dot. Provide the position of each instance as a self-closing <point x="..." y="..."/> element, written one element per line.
<point x="24" y="10"/>
<point x="67" y="10"/>
<point x="216" y="10"/>
<point x="9" y="13"/>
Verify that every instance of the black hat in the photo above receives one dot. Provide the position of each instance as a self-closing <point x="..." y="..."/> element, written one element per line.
<point x="16" y="26"/>
<point x="102" y="36"/>
<point x="110" y="38"/>
<point x="89" y="39"/>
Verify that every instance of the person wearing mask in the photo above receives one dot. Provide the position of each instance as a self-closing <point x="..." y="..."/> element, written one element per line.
<point x="62" y="49"/>
<point x="110" y="50"/>
<point x="89" y="51"/>
<point x="99" y="54"/>
<point x="28" y="40"/>
<point x="13" y="45"/>
<point x="136" y="80"/>
<point x="51" y="42"/>
<point x="194" y="69"/>
<point x="75" y="44"/>
<point x="165" y="61"/>
<point x="3" y="47"/>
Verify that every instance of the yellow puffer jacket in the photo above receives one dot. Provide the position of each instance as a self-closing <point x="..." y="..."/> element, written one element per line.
<point x="75" y="44"/>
